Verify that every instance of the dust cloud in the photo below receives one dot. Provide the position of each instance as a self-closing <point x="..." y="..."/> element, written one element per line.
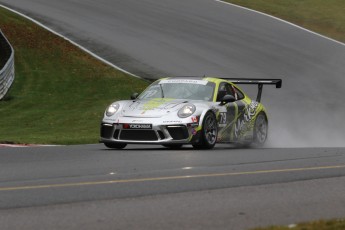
<point x="309" y="111"/>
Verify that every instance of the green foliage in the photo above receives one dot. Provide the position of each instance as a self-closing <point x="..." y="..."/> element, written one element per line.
<point x="60" y="92"/>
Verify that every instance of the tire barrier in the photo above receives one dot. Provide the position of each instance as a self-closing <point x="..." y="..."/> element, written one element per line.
<point x="6" y="65"/>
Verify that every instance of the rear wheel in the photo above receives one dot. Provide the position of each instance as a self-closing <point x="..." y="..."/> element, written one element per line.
<point x="115" y="145"/>
<point x="209" y="132"/>
<point x="260" y="129"/>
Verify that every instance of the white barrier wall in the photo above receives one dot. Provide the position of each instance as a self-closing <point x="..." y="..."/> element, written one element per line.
<point x="6" y="65"/>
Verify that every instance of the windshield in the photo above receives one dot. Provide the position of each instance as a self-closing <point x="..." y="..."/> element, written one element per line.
<point x="180" y="89"/>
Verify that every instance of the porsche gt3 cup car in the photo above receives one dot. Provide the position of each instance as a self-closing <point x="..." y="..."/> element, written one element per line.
<point x="200" y="111"/>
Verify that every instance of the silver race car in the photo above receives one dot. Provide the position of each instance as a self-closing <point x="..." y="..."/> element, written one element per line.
<point x="200" y="111"/>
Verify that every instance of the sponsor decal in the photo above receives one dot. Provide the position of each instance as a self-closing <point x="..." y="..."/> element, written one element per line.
<point x="172" y="121"/>
<point x="110" y="120"/>
<point x="137" y="121"/>
<point x="242" y="123"/>
<point x="195" y="119"/>
<point x="137" y="126"/>
<point x="193" y="125"/>
<point x="184" y="81"/>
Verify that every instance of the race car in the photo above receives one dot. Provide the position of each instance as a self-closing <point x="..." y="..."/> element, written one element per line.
<point x="199" y="111"/>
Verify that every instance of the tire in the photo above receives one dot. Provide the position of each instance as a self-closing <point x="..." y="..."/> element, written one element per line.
<point x="173" y="146"/>
<point x="115" y="145"/>
<point x="209" y="132"/>
<point x="260" y="130"/>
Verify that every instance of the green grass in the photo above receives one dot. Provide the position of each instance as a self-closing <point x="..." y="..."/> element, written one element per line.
<point x="316" y="225"/>
<point x="60" y="92"/>
<point x="326" y="17"/>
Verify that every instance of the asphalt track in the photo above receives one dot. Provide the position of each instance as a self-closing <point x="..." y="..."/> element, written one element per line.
<point x="147" y="187"/>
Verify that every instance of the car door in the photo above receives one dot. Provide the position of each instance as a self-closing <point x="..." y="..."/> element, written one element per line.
<point x="230" y="113"/>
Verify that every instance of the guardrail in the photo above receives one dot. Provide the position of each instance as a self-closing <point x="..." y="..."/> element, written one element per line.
<point x="6" y="65"/>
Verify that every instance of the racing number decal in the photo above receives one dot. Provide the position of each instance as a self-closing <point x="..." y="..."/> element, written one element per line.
<point x="226" y="121"/>
<point x="222" y="118"/>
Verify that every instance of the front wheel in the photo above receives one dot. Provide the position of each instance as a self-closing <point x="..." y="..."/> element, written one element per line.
<point x="115" y="145"/>
<point x="209" y="132"/>
<point x="260" y="130"/>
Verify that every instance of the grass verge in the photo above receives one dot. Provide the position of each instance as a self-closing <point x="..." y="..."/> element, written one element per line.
<point x="324" y="17"/>
<point x="60" y="92"/>
<point x="316" y="225"/>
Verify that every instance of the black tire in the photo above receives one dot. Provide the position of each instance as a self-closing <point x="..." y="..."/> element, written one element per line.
<point x="115" y="145"/>
<point x="173" y="146"/>
<point x="209" y="132"/>
<point x="260" y="130"/>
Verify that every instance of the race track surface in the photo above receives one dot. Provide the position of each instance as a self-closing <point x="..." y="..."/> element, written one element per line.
<point x="150" y="187"/>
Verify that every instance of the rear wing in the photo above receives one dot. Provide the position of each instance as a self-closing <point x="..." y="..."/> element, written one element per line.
<point x="255" y="81"/>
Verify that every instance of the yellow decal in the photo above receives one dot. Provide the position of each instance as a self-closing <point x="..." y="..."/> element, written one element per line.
<point x="155" y="103"/>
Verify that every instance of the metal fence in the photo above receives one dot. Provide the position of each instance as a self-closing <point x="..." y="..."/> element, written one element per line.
<point x="6" y="65"/>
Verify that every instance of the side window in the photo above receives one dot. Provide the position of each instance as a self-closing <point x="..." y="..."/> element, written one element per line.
<point x="228" y="89"/>
<point x="239" y="93"/>
<point x="224" y="89"/>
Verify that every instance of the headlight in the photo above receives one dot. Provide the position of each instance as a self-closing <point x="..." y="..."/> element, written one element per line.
<point x="186" y="111"/>
<point x="112" y="109"/>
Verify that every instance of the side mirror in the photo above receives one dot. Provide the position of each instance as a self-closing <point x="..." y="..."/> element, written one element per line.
<point x="227" y="99"/>
<point x="134" y="96"/>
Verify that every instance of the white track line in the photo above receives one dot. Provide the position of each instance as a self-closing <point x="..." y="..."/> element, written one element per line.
<point x="74" y="43"/>
<point x="279" y="19"/>
<point x="23" y="145"/>
<point x="12" y="146"/>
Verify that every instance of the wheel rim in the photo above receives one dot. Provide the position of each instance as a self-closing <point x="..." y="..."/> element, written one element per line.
<point x="261" y="129"/>
<point x="210" y="130"/>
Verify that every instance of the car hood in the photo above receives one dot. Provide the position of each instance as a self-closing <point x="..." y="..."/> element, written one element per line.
<point x="156" y="107"/>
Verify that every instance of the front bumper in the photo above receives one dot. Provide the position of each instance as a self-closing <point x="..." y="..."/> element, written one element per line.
<point x="158" y="134"/>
